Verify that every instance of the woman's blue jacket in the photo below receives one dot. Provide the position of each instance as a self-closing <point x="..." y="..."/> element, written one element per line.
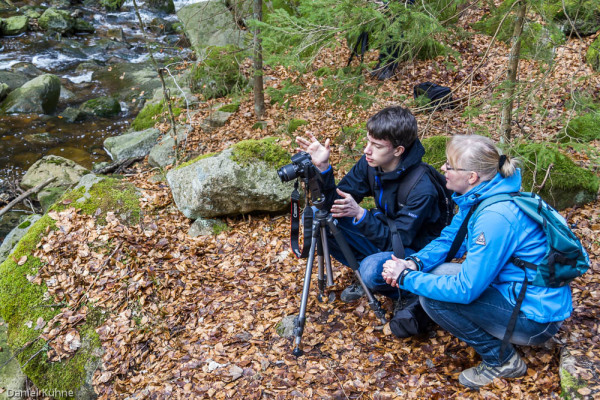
<point x="499" y="231"/>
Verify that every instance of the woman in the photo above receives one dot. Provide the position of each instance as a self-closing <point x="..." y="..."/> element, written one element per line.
<point x="474" y="300"/>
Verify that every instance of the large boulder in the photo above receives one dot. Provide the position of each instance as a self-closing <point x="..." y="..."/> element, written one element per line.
<point x="231" y="182"/>
<point x="67" y="172"/>
<point x="15" y="25"/>
<point x="54" y="20"/>
<point x="210" y="23"/>
<point x="131" y="145"/>
<point x="38" y="96"/>
<point x="218" y="73"/>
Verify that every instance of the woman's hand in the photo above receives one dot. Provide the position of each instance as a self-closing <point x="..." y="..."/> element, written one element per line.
<point x="318" y="153"/>
<point x="346" y="207"/>
<point x="392" y="269"/>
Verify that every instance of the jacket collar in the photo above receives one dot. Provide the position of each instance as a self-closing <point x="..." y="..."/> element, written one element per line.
<point x="496" y="185"/>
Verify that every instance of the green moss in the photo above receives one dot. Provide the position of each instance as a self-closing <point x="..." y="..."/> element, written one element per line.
<point x="593" y="55"/>
<point x="266" y="150"/>
<point x="583" y="14"/>
<point x="219" y="73"/>
<point x="570" y="384"/>
<point x="435" y="150"/>
<point x="367" y="203"/>
<point x="111" y="5"/>
<point x="582" y="129"/>
<point x="567" y="183"/>
<point x="233" y="107"/>
<point x="25" y="225"/>
<point x="148" y="117"/>
<point x="108" y="195"/>
<point x="284" y="95"/>
<point x="294" y="124"/>
<point x="102" y="107"/>
<point x="324" y="71"/>
<point x="220" y="227"/>
<point x="200" y="157"/>
<point x="22" y="301"/>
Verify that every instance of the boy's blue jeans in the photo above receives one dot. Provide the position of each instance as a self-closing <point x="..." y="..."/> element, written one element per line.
<point x="482" y="323"/>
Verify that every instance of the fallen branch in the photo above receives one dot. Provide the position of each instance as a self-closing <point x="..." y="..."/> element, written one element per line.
<point x="25" y="195"/>
<point x="118" y="165"/>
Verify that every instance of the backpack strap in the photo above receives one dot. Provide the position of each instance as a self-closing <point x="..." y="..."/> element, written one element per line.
<point x="409" y="181"/>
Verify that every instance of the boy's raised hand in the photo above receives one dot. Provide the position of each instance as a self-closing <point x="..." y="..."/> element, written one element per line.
<point x="319" y="153"/>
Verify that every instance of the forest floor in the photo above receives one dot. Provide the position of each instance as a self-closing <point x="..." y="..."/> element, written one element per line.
<point x="201" y="322"/>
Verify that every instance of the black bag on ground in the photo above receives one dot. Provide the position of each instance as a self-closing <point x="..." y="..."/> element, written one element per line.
<point x="409" y="319"/>
<point x="440" y="96"/>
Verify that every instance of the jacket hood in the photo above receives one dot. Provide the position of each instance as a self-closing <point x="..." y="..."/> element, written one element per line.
<point x="496" y="185"/>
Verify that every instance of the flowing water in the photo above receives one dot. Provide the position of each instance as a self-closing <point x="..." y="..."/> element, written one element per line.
<point x="26" y="138"/>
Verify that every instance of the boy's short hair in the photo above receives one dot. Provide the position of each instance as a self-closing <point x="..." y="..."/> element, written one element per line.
<point x="395" y="124"/>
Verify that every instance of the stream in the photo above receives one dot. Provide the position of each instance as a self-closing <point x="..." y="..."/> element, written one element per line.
<point x="118" y="39"/>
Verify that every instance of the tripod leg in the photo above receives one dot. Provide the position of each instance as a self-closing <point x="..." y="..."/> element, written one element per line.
<point x="299" y="326"/>
<point x="339" y="237"/>
<point x="329" y="271"/>
<point x="321" y="268"/>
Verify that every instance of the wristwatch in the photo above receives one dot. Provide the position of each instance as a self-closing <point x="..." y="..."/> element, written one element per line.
<point x="403" y="275"/>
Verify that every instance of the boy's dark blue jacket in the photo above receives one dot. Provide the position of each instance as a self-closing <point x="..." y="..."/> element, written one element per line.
<point x="415" y="221"/>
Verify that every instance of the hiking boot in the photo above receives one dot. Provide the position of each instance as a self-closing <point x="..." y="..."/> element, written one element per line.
<point x="483" y="374"/>
<point x="352" y="292"/>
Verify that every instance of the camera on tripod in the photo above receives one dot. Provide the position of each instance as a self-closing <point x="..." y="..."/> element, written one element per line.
<point x="301" y="166"/>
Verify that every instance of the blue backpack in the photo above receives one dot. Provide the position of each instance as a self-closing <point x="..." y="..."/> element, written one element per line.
<point x="565" y="258"/>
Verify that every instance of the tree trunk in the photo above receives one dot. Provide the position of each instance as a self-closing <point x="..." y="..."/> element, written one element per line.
<point x="511" y="76"/>
<point x="259" y="94"/>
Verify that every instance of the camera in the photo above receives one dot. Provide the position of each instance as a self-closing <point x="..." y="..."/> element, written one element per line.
<point x="301" y="166"/>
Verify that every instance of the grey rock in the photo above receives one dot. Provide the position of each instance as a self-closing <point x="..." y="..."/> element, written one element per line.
<point x="129" y="145"/>
<point x="66" y="171"/>
<point x="210" y="23"/>
<point x="71" y="114"/>
<point x="116" y="34"/>
<point x="48" y="196"/>
<point x="216" y="186"/>
<point x="11" y="240"/>
<point x="12" y="379"/>
<point x="13" y="79"/>
<point x="163" y="153"/>
<point x="86" y="182"/>
<point x="204" y="227"/>
<point x="43" y="138"/>
<point x="217" y="119"/>
<point x="54" y="20"/>
<point x="285" y="327"/>
<point x="39" y="96"/>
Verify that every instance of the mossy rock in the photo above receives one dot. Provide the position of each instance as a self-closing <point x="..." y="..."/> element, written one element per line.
<point x="97" y="196"/>
<point x="48" y="196"/>
<point x="584" y="128"/>
<point x="267" y="150"/>
<point x="83" y="26"/>
<point x="15" y="25"/>
<point x="567" y="184"/>
<point x="230" y="108"/>
<point x="219" y="73"/>
<point x="435" y="150"/>
<point x="112" y="5"/>
<point x="294" y="124"/>
<point x="193" y="160"/>
<point x="149" y="115"/>
<point x="592" y="56"/>
<point x="106" y="107"/>
<point x="54" y="20"/>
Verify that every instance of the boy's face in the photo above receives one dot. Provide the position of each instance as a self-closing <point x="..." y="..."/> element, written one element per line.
<point x="381" y="153"/>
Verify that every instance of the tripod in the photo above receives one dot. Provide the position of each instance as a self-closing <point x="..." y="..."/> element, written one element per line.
<point x="322" y="220"/>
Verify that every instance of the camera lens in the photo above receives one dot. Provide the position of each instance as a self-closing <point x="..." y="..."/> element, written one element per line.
<point x="288" y="172"/>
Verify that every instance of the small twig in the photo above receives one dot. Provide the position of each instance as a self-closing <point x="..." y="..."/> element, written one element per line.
<point x="19" y="352"/>
<point x="541" y="186"/>
<point x="26" y="194"/>
<point x="118" y="164"/>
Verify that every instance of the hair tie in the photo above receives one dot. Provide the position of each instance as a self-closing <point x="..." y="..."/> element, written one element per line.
<point x="501" y="162"/>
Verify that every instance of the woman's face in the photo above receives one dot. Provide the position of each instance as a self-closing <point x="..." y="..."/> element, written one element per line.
<point x="458" y="179"/>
